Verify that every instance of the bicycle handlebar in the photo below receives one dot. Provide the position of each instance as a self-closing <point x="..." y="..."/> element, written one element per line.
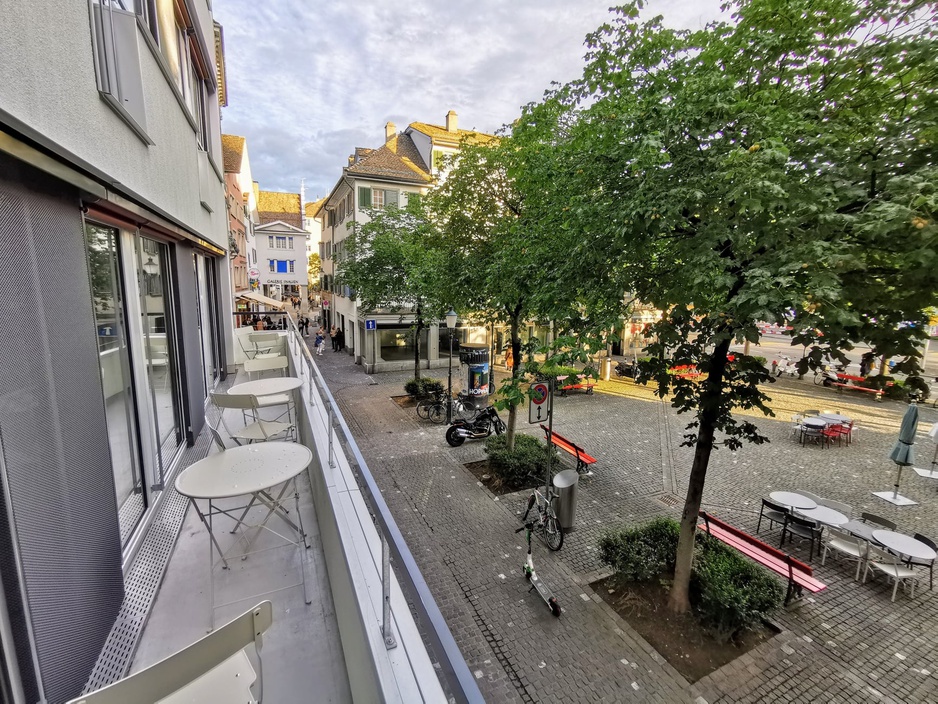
<point x="529" y="525"/>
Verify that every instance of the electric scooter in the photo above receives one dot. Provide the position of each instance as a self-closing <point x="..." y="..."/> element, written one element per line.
<point x="529" y="573"/>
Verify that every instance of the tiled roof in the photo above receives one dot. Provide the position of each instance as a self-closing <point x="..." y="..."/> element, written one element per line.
<point x="441" y="134"/>
<point x="273" y="206"/>
<point x="232" y="147"/>
<point x="312" y="209"/>
<point x="397" y="159"/>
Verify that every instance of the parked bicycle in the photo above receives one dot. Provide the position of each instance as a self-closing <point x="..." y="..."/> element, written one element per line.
<point x="434" y="409"/>
<point x="547" y="516"/>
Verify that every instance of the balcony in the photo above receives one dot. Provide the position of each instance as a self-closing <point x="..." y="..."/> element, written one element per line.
<point x="364" y="617"/>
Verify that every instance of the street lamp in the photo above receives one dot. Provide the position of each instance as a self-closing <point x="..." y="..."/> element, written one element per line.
<point x="451" y="325"/>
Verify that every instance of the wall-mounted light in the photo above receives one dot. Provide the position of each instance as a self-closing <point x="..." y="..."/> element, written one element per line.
<point x="151" y="267"/>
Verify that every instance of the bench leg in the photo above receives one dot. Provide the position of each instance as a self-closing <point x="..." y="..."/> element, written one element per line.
<point x="795" y="593"/>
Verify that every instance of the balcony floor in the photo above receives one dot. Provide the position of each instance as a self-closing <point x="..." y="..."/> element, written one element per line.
<point x="302" y="651"/>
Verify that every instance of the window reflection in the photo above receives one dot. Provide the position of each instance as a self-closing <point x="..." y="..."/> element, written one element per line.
<point x="114" y="361"/>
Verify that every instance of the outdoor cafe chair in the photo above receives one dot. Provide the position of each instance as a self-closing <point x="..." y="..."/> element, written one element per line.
<point x="796" y="427"/>
<point x="846" y="431"/>
<point x="930" y="564"/>
<point x="803" y="528"/>
<point x="888" y="564"/>
<point x="845" y="509"/>
<point x="259" y="366"/>
<point x="813" y="435"/>
<point x="855" y="549"/>
<point x="267" y="344"/>
<point x="259" y="431"/>
<point x="811" y="412"/>
<point x="773" y="513"/>
<point x="832" y="432"/>
<point x="807" y="494"/>
<point x="216" y="668"/>
<point x="877" y="520"/>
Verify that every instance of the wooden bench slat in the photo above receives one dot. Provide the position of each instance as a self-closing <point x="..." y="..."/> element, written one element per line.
<point x="583" y="459"/>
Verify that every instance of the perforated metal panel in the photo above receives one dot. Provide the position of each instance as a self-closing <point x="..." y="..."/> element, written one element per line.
<point x="63" y="516"/>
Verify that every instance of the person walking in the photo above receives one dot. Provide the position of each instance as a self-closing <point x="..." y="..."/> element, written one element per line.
<point x="320" y="342"/>
<point x="333" y="335"/>
<point x="340" y="340"/>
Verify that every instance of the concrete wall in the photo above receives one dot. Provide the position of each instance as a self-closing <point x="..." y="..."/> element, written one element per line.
<point x="49" y="86"/>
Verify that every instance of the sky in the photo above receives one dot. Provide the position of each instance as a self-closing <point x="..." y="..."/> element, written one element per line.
<point x="308" y="82"/>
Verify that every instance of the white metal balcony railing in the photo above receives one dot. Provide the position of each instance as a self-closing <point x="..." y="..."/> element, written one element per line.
<point x="381" y="611"/>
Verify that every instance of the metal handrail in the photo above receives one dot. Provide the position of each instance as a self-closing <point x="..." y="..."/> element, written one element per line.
<point x="453" y="665"/>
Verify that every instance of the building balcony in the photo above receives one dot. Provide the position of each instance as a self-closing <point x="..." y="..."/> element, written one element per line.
<point x="370" y="632"/>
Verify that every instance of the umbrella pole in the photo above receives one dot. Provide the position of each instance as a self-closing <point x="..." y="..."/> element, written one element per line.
<point x="898" y="477"/>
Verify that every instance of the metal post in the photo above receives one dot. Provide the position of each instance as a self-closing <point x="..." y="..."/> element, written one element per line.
<point x="331" y="431"/>
<point x="386" y="632"/>
<point x="449" y="382"/>
<point x="550" y="430"/>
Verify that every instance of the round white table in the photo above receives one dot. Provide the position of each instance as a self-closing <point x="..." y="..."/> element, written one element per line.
<point x="825" y="515"/>
<point x="815" y="422"/>
<point x="904" y="544"/>
<point x="835" y="418"/>
<point x="249" y="470"/>
<point x="789" y="498"/>
<point x="267" y="387"/>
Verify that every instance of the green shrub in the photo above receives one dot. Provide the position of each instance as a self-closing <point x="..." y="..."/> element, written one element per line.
<point x="512" y="468"/>
<point x="728" y="592"/>
<point x="641" y="553"/>
<point x="761" y="360"/>
<point x="423" y="387"/>
<point x="919" y="384"/>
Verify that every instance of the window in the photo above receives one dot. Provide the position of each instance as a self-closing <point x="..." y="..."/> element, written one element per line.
<point x="342" y="211"/>
<point x="117" y="62"/>
<point x="281" y="242"/>
<point x="292" y="266"/>
<point x="270" y="265"/>
<point x="281" y="267"/>
<point x="270" y="241"/>
<point x="377" y="197"/>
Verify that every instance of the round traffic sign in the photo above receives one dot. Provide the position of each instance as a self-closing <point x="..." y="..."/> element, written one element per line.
<point x="539" y="394"/>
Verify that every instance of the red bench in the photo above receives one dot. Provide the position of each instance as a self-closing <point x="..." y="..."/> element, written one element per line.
<point x="583" y="383"/>
<point x="850" y="377"/>
<point x="800" y="576"/>
<point x="853" y="387"/>
<point x="583" y="460"/>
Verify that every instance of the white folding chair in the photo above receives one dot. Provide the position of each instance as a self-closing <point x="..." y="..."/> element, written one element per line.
<point x="259" y="431"/>
<point x="889" y="564"/>
<point x="259" y="366"/>
<point x="267" y="344"/>
<point x="215" y="669"/>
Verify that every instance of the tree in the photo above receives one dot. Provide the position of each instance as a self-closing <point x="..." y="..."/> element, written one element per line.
<point x="780" y="167"/>
<point x="313" y="267"/>
<point x="388" y="263"/>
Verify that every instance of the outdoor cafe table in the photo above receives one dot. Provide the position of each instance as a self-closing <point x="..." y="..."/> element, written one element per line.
<point x="904" y="544"/>
<point x="788" y="498"/>
<point x="267" y="387"/>
<point x="834" y="418"/>
<point x="815" y="422"/>
<point x="825" y="515"/>
<point x="250" y="470"/>
<point x="859" y="529"/>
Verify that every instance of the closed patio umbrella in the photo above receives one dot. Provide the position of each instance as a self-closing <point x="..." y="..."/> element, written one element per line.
<point x="903" y="454"/>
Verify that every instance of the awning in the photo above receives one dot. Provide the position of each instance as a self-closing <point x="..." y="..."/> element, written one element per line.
<point x="260" y="298"/>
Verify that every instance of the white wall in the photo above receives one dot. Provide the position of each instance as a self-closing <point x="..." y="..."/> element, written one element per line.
<point x="47" y="64"/>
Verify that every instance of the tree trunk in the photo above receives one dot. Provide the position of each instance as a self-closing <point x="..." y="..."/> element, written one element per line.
<point x="515" y="371"/>
<point x="679" y="600"/>
<point x="418" y="327"/>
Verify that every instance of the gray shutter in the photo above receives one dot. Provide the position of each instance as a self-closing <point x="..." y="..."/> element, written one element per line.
<point x="364" y="197"/>
<point x="390" y="198"/>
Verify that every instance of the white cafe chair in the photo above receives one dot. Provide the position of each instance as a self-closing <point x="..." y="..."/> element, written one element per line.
<point x="215" y="669"/>
<point x="851" y="547"/>
<point x="259" y="431"/>
<point x="266" y="364"/>
<point x="889" y="565"/>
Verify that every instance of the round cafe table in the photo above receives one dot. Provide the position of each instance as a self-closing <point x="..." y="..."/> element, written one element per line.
<point x="904" y="544"/>
<point x="789" y="498"/>
<point x="825" y="515"/>
<point x="815" y="422"/>
<point x="835" y="418"/>
<point x="267" y="387"/>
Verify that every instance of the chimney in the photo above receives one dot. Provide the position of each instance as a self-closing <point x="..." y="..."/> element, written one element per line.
<point x="351" y="159"/>
<point x="389" y="131"/>
<point x="451" y="121"/>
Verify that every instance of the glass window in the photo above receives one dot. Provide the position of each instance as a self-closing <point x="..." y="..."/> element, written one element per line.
<point x="114" y="362"/>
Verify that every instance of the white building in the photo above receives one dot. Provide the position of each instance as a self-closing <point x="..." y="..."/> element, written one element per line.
<point x="115" y="304"/>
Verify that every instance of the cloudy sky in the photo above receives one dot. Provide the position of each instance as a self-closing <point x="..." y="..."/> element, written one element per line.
<point x="308" y="82"/>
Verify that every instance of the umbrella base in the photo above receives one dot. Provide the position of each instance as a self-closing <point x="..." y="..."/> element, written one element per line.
<point x="927" y="473"/>
<point x="894" y="498"/>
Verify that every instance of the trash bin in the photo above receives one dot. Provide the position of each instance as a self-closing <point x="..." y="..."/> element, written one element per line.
<point x="565" y="484"/>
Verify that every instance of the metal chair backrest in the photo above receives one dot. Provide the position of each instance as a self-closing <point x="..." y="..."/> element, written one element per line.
<point x="845" y="509"/>
<point x="801" y="521"/>
<point x="241" y="402"/>
<point x="814" y="497"/>
<point x="811" y="412"/>
<point x="774" y="506"/>
<point x="216" y="436"/>
<point x="878" y="520"/>
<point x="263" y="365"/>
<point x="879" y="555"/>
<point x="928" y="541"/>
<point x="845" y="537"/>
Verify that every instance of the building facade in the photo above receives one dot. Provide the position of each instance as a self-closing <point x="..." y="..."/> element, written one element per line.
<point x="115" y="294"/>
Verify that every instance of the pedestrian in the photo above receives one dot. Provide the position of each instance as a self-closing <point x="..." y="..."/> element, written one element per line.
<point x="333" y="335"/>
<point x="340" y="340"/>
<point x="320" y="343"/>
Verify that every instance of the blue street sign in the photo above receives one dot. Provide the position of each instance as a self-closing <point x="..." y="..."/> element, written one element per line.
<point x="371" y="325"/>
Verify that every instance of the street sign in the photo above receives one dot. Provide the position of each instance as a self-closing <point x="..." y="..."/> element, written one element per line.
<point x="539" y="408"/>
<point x="371" y="325"/>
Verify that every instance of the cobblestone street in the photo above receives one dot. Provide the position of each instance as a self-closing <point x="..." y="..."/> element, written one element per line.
<point x="846" y="644"/>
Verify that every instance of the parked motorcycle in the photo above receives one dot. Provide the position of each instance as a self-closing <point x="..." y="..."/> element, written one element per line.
<point x="479" y="427"/>
<point x="627" y="369"/>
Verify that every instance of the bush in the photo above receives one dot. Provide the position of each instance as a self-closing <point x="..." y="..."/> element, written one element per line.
<point x="512" y="468"/>
<point x="917" y="383"/>
<point x="728" y="592"/>
<point x="641" y="553"/>
<point x="761" y="360"/>
<point x="423" y="387"/>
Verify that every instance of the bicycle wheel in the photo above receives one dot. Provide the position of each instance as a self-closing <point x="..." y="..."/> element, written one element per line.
<point x="553" y="531"/>
<point x="423" y="409"/>
<point x="437" y="413"/>
<point x="818" y="378"/>
<point x="464" y="412"/>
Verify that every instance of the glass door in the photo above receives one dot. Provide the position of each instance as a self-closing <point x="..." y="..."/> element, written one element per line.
<point x="205" y="299"/>
<point x="114" y="360"/>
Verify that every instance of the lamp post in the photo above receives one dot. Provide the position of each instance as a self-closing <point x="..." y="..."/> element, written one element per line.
<point x="451" y="325"/>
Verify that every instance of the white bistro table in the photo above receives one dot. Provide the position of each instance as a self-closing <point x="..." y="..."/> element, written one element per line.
<point x="250" y="470"/>
<point x="835" y="418"/>
<point x="825" y="515"/>
<point x="904" y="544"/>
<point x="793" y="500"/>
<point x="267" y="387"/>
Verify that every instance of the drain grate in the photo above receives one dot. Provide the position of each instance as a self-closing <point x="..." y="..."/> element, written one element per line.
<point x="143" y="581"/>
<point x="669" y="500"/>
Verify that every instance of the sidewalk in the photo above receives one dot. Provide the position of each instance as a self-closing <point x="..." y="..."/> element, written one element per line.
<point x="848" y="644"/>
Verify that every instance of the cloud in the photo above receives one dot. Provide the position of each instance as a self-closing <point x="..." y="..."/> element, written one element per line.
<point x="310" y="82"/>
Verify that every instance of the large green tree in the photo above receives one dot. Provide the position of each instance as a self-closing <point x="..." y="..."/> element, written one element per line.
<point x="388" y="262"/>
<point x="778" y="166"/>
